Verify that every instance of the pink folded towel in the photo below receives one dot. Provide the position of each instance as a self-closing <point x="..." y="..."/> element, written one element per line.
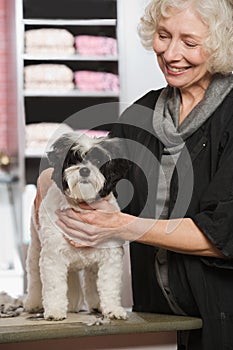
<point x="95" y="45"/>
<point x="96" y="81"/>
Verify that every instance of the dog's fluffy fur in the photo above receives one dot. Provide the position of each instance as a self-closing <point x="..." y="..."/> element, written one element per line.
<point x="85" y="169"/>
<point x="9" y="306"/>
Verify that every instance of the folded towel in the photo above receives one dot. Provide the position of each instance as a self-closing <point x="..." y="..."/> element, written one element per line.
<point x="95" y="45"/>
<point x="40" y="136"/>
<point x="50" y="50"/>
<point x="96" y="81"/>
<point x="48" y="72"/>
<point x="48" y="37"/>
<point x="55" y="86"/>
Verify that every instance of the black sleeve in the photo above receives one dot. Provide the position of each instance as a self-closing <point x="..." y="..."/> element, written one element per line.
<point x="215" y="218"/>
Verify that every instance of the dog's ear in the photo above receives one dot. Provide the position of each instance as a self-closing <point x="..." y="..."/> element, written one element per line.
<point x="57" y="156"/>
<point x="59" y="150"/>
<point x="115" y="169"/>
<point x="114" y="145"/>
<point x="116" y="148"/>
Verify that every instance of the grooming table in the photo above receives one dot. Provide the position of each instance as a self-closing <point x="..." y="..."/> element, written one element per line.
<point x="23" y="329"/>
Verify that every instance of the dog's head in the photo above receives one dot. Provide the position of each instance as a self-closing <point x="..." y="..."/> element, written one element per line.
<point x="87" y="168"/>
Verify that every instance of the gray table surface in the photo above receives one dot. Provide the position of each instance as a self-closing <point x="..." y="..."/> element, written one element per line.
<point x="22" y="328"/>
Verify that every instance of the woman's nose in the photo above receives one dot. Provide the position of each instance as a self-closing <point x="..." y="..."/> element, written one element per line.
<point x="173" y="51"/>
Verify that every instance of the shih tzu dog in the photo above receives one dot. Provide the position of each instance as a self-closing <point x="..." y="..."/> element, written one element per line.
<point x="85" y="169"/>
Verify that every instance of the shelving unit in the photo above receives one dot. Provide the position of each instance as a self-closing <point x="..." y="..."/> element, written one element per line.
<point x="79" y="17"/>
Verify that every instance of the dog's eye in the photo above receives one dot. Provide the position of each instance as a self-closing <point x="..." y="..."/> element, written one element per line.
<point x="97" y="157"/>
<point x="100" y="162"/>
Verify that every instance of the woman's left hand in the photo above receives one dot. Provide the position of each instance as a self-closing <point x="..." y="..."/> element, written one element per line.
<point x="97" y="223"/>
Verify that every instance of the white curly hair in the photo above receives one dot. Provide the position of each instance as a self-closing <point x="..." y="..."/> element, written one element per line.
<point x="216" y="14"/>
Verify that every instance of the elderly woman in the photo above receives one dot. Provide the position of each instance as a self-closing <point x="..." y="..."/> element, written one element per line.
<point x="179" y="141"/>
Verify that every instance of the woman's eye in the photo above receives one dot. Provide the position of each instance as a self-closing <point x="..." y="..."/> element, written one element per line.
<point x="190" y="44"/>
<point x="163" y="36"/>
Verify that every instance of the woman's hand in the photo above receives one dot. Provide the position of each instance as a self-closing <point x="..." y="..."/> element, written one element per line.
<point x="99" y="222"/>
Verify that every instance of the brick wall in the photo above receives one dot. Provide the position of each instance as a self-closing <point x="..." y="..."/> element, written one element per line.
<point x="11" y="86"/>
<point x="3" y="78"/>
<point x="8" y="80"/>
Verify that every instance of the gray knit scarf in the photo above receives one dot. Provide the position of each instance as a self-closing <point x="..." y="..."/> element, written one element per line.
<point x="167" y="111"/>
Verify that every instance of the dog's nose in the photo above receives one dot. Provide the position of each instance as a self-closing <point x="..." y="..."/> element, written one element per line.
<point x="84" y="172"/>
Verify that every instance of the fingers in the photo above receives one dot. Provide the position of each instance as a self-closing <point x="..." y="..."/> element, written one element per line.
<point x="71" y="217"/>
<point x="76" y="226"/>
<point x="89" y="228"/>
<point x="74" y="244"/>
<point x="77" y="236"/>
<point x="69" y="214"/>
<point x="73" y="223"/>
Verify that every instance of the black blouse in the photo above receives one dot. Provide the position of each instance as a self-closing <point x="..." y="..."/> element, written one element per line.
<point x="201" y="186"/>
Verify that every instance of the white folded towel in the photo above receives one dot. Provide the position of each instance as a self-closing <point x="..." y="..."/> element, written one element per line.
<point x="48" y="73"/>
<point x="48" y="39"/>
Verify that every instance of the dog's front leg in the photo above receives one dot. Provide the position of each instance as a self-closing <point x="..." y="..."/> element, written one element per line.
<point x="33" y="299"/>
<point x="109" y="283"/>
<point x="53" y="269"/>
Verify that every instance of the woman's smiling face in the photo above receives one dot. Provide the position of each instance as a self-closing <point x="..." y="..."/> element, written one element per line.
<point x="178" y="44"/>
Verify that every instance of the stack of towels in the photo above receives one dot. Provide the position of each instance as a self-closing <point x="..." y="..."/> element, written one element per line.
<point x="59" y="77"/>
<point x="95" y="45"/>
<point x="49" y="41"/>
<point x="48" y="77"/>
<point x="40" y="136"/>
<point x="61" y="41"/>
<point x="96" y="81"/>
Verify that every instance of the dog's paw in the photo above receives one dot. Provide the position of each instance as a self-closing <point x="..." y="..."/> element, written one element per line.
<point x="32" y="306"/>
<point x="54" y="315"/>
<point x="117" y="312"/>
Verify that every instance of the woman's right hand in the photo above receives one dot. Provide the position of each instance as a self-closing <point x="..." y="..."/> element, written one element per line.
<point x="98" y="223"/>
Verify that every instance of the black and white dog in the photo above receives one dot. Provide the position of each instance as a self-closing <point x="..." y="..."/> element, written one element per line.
<point x="85" y="169"/>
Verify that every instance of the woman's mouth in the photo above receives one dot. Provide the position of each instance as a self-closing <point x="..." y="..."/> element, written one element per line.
<point x="173" y="69"/>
